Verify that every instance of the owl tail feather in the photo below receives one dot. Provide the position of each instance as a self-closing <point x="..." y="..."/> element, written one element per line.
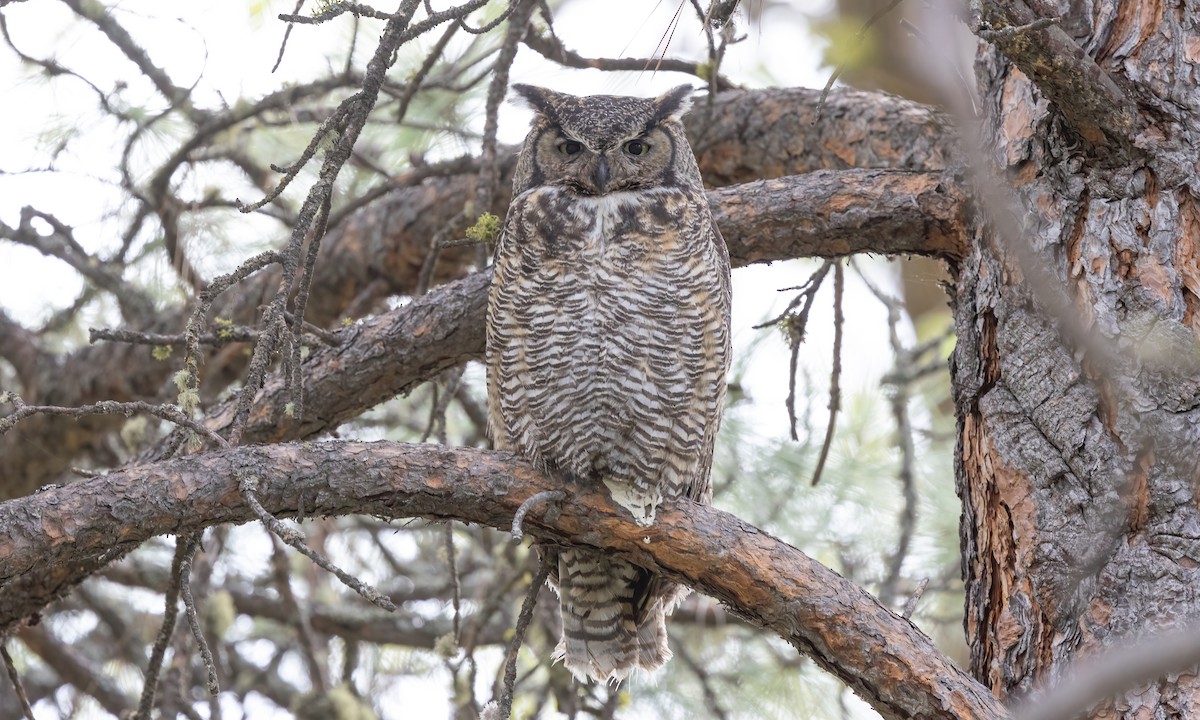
<point x="605" y="635"/>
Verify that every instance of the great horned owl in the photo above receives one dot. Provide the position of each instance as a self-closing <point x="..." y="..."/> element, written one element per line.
<point x="608" y="343"/>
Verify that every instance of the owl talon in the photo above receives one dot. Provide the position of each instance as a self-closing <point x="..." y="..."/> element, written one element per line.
<point x="519" y="518"/>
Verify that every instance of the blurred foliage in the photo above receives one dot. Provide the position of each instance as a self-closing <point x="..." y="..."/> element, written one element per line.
<point x="846" y="43"/>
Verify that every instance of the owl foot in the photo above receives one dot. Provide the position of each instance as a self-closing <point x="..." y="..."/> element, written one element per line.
<point x="641" y="503"/>
<point x="519" y="518"/>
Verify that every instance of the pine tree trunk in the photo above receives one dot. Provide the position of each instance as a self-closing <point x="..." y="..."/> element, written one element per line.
<point x="1079" y="420"/>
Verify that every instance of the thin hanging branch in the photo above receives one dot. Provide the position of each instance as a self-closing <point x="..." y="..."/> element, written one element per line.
<point x="456" y="589"/>
<point x="704" y="677"/>
<point x="835" y="373"/>
<point x="281" y="573"/>
<point x="794" y="322"/>
<point x="15" y="679"/>
<point x="504" y="703"/>
<point x="189" y="607"/>
<point x="185" y="546"/>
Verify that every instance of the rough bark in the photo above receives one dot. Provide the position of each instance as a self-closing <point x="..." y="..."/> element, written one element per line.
<point x="883" y="657"/>
<point x="1076" y="374"/>
<point x="377" y="251"/>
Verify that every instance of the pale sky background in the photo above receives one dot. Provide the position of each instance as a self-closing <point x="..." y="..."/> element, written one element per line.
<point x="230" y="51"/>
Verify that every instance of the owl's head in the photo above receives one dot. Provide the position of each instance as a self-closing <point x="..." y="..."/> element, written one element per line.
<point x="606" y="143"/>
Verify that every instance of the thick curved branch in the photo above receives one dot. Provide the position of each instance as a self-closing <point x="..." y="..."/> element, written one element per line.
<point x="1095" y="106"/>
<point x="749" y="135"/>
<point x="883" y="657"/>
<point x="832" y="214"/>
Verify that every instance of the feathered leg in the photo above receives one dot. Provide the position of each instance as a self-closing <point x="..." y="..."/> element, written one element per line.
<point x="613" y="623"/>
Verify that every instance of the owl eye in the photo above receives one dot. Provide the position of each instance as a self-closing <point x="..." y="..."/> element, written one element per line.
<point x="569" y="147"/>
<point x="637" y="147"/>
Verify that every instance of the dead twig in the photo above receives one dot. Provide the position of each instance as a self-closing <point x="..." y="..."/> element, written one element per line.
<point x="794" y="324"/>
<point x="514" y="645"/>
<point x="169" y="413"/>
<point x="189" y="606"/>
<point x="911" y="605"/>
<point x="300" y="616"/>
<point x="835" y="374"/>
<point x="899" y="380"/>
<point x="247" y="484"/>
<point x="16" y="682"/>
<point x="185" y="546"/>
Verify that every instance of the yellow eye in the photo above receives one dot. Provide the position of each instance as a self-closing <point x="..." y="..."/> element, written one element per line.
<point x="637" y="147"/>
<point x="569" y="147"/>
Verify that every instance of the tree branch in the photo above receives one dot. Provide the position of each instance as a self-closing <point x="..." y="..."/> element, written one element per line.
<point x="883" y="657"/>
<point x="1099" y="110"/>
<point x="551" y="48"/>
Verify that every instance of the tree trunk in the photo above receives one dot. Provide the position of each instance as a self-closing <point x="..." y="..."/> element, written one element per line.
<point x="1076" y="375"/>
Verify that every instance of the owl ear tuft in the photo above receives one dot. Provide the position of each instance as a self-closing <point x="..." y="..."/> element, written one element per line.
<point x="539" y="99"/>
<point x="672" y="104"/>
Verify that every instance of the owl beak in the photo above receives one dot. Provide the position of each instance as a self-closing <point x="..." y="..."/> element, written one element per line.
<point x="601" y="174"/>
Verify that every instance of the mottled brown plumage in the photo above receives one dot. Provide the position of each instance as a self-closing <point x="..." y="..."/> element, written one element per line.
<point x="608" y="343"/>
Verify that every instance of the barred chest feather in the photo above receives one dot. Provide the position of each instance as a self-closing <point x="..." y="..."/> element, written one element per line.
<point x="608" y="339"/>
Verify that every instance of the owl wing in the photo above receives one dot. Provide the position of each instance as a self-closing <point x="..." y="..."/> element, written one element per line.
<point x="717" y="333"/>
<point x="701" y="331"/>
<point x="501" y="324"/>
